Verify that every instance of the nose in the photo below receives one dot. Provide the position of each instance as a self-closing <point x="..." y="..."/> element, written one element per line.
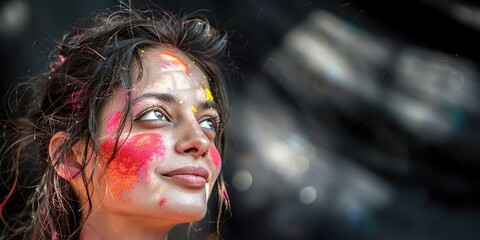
<point x="192" y="141"/>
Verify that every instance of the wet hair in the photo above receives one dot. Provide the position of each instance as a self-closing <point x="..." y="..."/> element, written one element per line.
<point x="91" y="63"/>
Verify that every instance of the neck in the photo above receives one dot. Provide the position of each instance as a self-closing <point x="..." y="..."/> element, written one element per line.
<point x="101" y="226"/>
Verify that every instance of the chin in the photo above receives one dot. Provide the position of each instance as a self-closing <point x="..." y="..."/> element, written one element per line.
<point x="185" y="206"/>
<point x="187" y="214"/>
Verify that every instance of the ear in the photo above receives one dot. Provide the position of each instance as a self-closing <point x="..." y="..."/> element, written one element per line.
<point x="68" y="167"/>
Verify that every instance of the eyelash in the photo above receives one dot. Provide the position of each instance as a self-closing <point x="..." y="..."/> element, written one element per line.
<point x="160" y="108"/>
<point x="218" y="126"/>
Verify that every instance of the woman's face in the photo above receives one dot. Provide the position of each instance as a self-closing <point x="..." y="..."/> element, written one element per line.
<point x="166" y="163"/>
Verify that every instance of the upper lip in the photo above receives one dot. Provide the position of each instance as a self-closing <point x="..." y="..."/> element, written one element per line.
<point x="189" y="170"/>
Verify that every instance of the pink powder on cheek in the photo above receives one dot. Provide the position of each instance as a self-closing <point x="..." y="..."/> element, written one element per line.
<point x="217" y="160"/>
<point x="131" y="160"/>
<point x="162" y="202"/>
<point x="112" y="122"/>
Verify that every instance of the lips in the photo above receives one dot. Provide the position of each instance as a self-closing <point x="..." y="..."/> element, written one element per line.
<point x="190" y="177"/>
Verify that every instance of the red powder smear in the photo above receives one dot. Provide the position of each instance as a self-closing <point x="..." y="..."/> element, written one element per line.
<point x="162" y="202"/>
<point x="112" y="122"/>
<point x="68" y="161"/>
<point x="217" y="160"/>
<point x="174" y="63"/>
<point x="131" y="159"/>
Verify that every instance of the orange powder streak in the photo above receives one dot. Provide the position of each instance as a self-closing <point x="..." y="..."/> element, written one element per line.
<point x="131" y="160"/>
<point x="174" y="63"/>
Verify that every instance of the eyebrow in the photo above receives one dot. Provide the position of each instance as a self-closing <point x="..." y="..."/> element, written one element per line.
<point x="166" y="97"/>
<point x="209" y="105"/>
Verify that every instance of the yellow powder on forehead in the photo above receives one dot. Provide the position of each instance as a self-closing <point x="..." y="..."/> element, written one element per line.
<point x="194" y="109"/>
<point x="208" y="95"/>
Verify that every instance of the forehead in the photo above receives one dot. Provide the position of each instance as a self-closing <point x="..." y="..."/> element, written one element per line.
<point x="170" y="69"/>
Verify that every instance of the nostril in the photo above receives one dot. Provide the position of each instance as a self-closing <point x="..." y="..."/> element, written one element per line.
<point x="205" y="153"/>
<point x="191" y="150"/>
<point x="195" y="150"/>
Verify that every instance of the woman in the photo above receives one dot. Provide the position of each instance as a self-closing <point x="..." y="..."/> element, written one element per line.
<point x="124" y="131"/>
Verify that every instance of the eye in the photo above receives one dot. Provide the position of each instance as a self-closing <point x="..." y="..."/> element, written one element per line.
<point x="209" y="124"/>
<point x="152" y="115"/>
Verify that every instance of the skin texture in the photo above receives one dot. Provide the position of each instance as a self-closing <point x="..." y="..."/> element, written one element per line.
<point x="134" y="197"/>
<point x="113" y="121"/>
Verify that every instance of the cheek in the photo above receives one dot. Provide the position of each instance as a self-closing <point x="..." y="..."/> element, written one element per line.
<point x="162" y="202"/>
<point x="112" y="122"/>
<point x="216" y="159"/>
<point x="131" y="160"/>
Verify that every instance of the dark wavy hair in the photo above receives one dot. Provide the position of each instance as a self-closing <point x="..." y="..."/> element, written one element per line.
<point x="89" y="64"/>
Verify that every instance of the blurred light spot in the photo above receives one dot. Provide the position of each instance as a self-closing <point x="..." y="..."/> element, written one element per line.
<point x="420" y="118"/>
<point x="14" y="17"/>
<point x="302" y="164"/>
<point x="278" y="150"/>
<point x="467" y="14"/>
<point x="334" y="50"/>
<point x="242" y="180"/>
<point x="318" y="58"/>
<point x="310" y="151"/>
<point x="279" y="158"/>
<point x="308" y="195"/>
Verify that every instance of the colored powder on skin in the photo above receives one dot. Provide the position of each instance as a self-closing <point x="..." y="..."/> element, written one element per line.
<point x="68" y="162"/>
<point x="162" y="202"/>
<point x="174" y="63"/>
<point x="131" y="159"/>
<point x="112" y="122"/>
<point x="194" y="110"/>
<point x="217" y="160"/>
<point x="208" y="95"/>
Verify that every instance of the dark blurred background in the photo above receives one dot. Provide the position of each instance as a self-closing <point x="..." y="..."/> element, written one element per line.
<point x="350" y="119"/>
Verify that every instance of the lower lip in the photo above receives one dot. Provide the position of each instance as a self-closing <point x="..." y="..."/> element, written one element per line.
<point x="190" y="181"/>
